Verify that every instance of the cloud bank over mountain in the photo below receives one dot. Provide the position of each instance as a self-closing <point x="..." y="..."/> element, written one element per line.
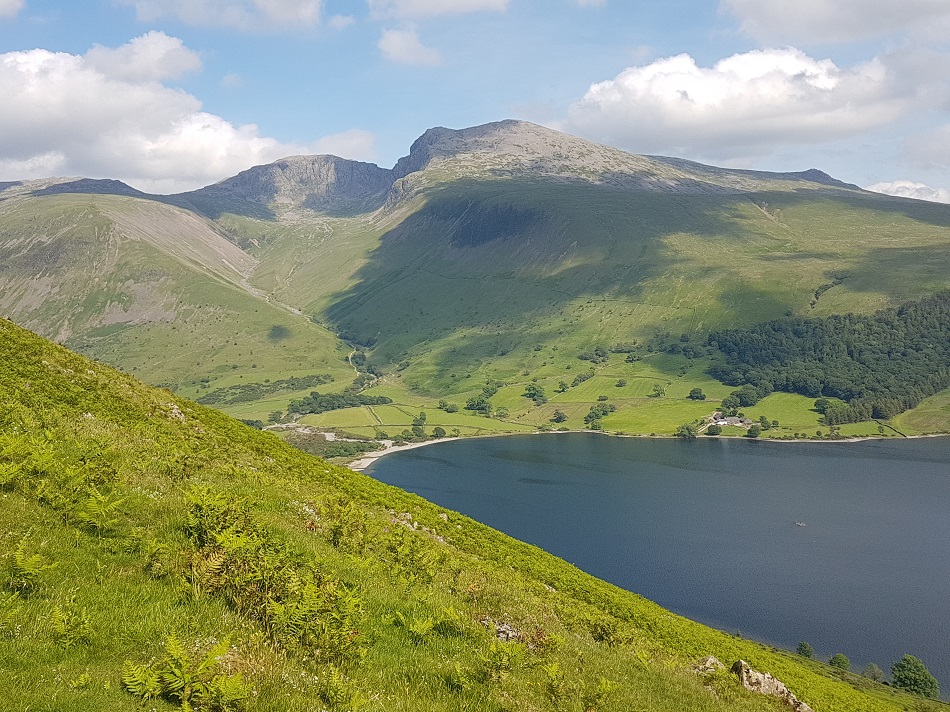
<point x="749" y="104"/>
<point x="108" y="113"/>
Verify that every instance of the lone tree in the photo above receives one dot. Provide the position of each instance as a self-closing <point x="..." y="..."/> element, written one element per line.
<point x="910" y="674"/>
<point x="559" y="416"/>
<point x="873" y="672"/>
<point x="805" y="650"/>
<point x="840" y="661"/>
<point x="697" y="394"/>
<point x="687" y="431"/>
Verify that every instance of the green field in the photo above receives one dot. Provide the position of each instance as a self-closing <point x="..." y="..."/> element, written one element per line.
<point x="930" y="417"/>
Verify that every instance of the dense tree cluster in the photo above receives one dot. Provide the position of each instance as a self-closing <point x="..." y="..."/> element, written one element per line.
<point x="598" y="354"/>
<point x="322" y="402"/>
<point x="876" y="366"/>
<point x="581" y="377"/>
<point x="535" y="393"/>
<point x="247" y="392"/>
<point x="599" y="411"/>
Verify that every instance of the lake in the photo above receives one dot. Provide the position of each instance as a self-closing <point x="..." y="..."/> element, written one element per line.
<point x="711" y="528"/>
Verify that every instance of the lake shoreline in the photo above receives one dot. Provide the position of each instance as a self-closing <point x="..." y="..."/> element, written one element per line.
<point x="367" y="459"/>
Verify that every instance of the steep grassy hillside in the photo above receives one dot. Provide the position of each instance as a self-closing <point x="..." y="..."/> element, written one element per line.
<point x="157" y="549"/>
<point x="152" y="288"/>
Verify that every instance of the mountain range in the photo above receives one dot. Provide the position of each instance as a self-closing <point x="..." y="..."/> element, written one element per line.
<point x="494" y="253"/>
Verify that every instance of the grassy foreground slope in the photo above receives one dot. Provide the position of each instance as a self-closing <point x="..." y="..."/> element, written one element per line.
<point x="149" y="542"/>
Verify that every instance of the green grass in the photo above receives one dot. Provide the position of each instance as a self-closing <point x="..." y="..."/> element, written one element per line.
<point x="74" y="430"/>
<point x="931" y="416"/>
<point x="393" y="419"/>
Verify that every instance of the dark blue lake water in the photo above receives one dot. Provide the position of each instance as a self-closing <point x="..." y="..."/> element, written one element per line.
<point x="707" y="529"/>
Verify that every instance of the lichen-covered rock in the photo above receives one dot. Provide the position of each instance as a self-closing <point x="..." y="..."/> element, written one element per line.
<point x="765" y="684"/>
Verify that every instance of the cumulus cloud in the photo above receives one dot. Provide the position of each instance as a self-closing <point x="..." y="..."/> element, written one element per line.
<point x="248" y="15"/>
<point x="910" y="189"/>
<point x="71" y="114"/>
<point x="9" y="8"/>
<point x="838" y="20"/>
<point x="152" y="57"/>
<point x="432" y="8"/>
<point x="747" y="104"/>
<point x="403" y="46"/>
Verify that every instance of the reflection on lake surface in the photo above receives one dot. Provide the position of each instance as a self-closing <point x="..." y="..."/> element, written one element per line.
<point x="845" y="545"/>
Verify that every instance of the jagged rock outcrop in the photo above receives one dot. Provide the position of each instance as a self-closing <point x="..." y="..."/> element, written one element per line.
<point x="765" y="684"/>
<point x="319" y="183"/>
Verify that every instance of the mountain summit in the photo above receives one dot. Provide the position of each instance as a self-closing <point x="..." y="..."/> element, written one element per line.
<point x="319" y="183"/>
<point x="498" y="150"/>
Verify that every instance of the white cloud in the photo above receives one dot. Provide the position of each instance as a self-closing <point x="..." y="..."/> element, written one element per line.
<point x="9" y="8"/>
<point x="70" y="115"/>
<point x="909" y="189"/>
<point x="152" y="57"/>
<point x="403" y="46"/>
<point x="340" y="22"/>
<point x="838" y="20"/>
<point x="930" y="149"/>
<point x="248" y="15"/>
<point x="748" y="104"/>
<point x="431" y="8"/>
<point x="38" y="166"/>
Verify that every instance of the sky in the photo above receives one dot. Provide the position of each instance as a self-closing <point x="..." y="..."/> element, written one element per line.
<point x="171" y="95"/>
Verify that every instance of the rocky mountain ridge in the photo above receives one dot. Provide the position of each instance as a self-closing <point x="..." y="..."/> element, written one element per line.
<point x="499" y="150"/>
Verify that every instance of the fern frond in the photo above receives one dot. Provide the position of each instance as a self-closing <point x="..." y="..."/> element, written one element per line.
<point x="140" y="680"/>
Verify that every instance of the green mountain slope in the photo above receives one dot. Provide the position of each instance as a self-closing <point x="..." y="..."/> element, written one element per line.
<point x="499" y="252"/>
<point x="155" y="547"/>
<point x="150" y="287"/>
<point x="562" y="242"/>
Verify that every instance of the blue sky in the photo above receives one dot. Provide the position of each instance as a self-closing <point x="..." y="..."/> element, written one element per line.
<point x="172" y="94"/>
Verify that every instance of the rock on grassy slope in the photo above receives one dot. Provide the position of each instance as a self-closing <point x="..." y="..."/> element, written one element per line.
<point x="154" y="549"/>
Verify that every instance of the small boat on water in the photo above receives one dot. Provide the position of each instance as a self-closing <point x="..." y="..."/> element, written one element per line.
<point x="799" y="524"/>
